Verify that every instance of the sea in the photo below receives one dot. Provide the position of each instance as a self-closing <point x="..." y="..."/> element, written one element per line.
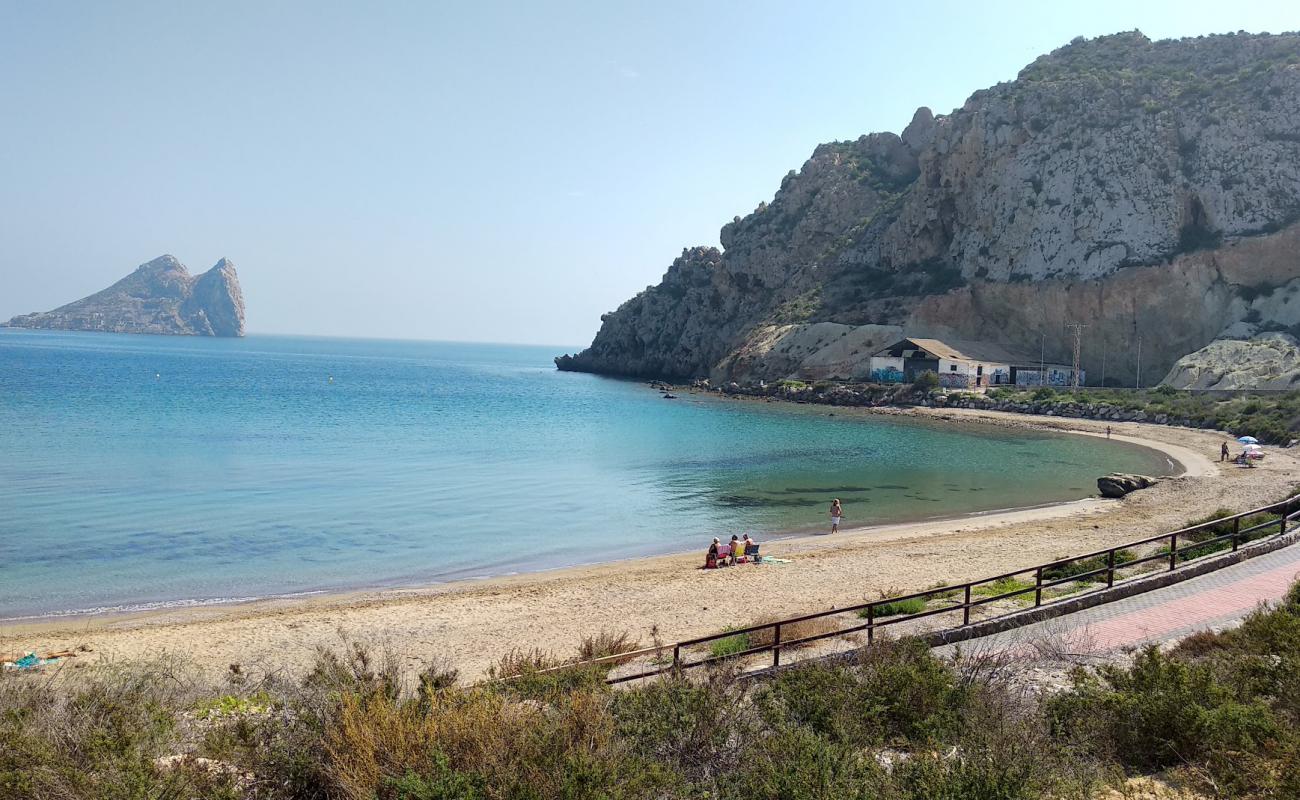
<point x="146" y="472"/>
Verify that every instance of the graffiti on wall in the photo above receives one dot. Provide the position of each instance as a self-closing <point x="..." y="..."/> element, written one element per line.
<point x="953" y="380"/>
<point x="886" y="375"/>
<point x="1055" y="377"/>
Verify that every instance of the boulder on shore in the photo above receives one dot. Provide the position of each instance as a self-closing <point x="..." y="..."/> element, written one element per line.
<point x="1118" y="484"/>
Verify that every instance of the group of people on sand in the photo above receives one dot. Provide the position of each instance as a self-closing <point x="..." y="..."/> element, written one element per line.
<point x="739" y="547"/>
<point x="737" y="550"/>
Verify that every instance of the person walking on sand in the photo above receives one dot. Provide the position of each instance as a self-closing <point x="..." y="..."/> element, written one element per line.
<point x="1223" y="452"/>
<point x="836" y="513"/>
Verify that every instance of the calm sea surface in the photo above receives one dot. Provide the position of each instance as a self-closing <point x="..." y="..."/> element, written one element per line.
<point x="141" y="471"/>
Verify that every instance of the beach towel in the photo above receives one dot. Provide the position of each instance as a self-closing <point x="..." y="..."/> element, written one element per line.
<point x="771" y="560"/>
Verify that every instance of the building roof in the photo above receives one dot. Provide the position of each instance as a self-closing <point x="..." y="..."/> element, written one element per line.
<point x="963" y="350"/>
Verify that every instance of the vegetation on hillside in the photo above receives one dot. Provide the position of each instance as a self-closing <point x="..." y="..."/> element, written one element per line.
<point x="1272" y="418"/>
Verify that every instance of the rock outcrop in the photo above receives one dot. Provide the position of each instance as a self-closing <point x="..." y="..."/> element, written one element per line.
<point x="1150" y="190"/>
<point x="159" y="297"/>
<point x="1267" y="361"/>
<point x="1118" y="484"/>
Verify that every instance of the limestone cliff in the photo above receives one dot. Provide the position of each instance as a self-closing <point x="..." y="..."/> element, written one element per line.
<point x="159" y="297"/>
<point x="1267" y="361"/>
<point x="1149" y="190"/>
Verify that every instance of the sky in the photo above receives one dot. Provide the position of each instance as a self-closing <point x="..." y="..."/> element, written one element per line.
<point x="487" y="171"/>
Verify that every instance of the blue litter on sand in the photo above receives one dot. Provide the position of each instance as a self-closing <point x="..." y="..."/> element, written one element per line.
<point x="30" y="661"/>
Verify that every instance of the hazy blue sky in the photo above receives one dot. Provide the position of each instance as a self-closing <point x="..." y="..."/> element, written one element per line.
<point x="481" y="171"/>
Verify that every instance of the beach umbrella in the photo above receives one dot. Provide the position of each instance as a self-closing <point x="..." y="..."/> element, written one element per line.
<point x="1248" y="440"/>
<point x="1250" y="448"/>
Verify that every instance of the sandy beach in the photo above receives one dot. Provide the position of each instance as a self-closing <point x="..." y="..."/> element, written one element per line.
<point x="472" y="623"/>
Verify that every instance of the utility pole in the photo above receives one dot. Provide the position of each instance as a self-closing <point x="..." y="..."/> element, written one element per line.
<point x="1139" y="367"/>
<point x="1103" y="360"/>
<point x="1077" y="327"/>
<point x="1042" y="362"/>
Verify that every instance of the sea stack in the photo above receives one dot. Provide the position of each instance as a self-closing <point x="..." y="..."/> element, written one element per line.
<point x="159" y="297"/>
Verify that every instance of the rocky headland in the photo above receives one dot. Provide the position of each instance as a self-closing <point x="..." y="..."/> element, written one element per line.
<point x="1266" y="361"/>
<point x="1147" y="189"/>
<point x="159" y="297"/>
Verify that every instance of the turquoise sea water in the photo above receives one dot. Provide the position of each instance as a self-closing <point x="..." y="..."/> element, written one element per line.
<point x="140" y="471"/>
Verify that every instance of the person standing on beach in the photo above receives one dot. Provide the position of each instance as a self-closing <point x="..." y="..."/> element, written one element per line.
<point x="1107" y="431"/>
<point x="836" y="513"/>
<point x="1223" y="452"/>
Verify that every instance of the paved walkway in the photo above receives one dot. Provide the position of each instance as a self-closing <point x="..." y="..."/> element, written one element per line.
<point x="1210" y="601"/>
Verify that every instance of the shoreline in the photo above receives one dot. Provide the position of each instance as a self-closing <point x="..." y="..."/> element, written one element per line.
<point x="146" y="610"/>
<point x="666" y="595"/>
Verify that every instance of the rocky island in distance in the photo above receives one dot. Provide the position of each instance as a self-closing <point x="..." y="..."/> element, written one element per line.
<point x="159" y="297"/>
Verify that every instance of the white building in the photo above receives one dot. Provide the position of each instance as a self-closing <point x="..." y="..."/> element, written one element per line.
<point x="962" y="365"/>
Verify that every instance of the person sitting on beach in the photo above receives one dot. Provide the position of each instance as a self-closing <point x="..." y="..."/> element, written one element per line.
<point x="711" y="558"/>
<point x="735" y="545"/>
<point x="746" y="544"/>
<point x="836" y="513"/>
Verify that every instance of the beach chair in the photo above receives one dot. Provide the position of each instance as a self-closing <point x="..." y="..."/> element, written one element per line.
<point x="724" y="552"/>
<point x="751" y="552"/>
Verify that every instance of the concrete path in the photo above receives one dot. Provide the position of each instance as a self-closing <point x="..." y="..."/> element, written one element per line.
<point x="1212" y="601"/>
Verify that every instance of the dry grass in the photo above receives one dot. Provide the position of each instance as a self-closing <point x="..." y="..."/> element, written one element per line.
<point x="792" y="631"/>
<point x="606" y="643"/>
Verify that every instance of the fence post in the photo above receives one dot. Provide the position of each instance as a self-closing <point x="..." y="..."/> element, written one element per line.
<point x="677" y="657"/>
<point x="776" y="646"/>
<point x="1173" y="551"/>
<point x="1038" y="587"/>
<point x="1110" y="568"/>
<point x="1236" y="533"/>
<point x="965" y="609"/>
<point x="871" y="622"/>
<point x="1282" y="523"/>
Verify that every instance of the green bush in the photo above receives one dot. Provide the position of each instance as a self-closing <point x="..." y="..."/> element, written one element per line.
<point x="926" y="382"/>
<point x="1161" y="713"/>
<point x="685" y="726"/>
<point x="1085" y="565"/>
<point x="729" y="645"/>
<point x="1005" y="586"/>
<point x="897" y="694"/>
<point x="893" y="608"/>
<point x="798" y="763"/>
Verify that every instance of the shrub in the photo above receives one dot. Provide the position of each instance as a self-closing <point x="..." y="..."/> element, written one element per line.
<point x="791" y="631"/>
<point x="682" y="724"/>
<point x="926" y="382"/>
<point x="1159" y="713"/>
<point x="800" y="764"/>
<point x="912" y="605"/>
<point x="1005" y="586"/>
<point x="1086" y="565"/>
<point x="606" y="643"/>
<point x="100" y="737"/>
<point x="896" y="693"/>
<point x="730" y="645"/>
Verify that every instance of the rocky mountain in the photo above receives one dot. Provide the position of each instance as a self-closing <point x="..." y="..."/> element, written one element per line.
<point x="159" y="297"/>
<point x="1147" y="189"/>
<point x="1267" y="361"/>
